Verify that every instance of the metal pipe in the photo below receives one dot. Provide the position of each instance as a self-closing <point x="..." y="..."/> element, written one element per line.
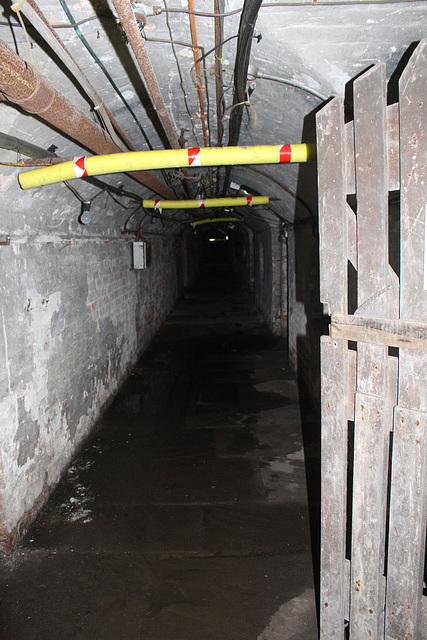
<point x="196" y="223"/>
<point x="219" y="85"/>
<point x="35" y="16"/>
<point x="167" y="159"/>
<point x="198" y="74"/>
<point x="133" y="34"/>
<point x="22" y="84"/>
<point x="218" y="8"/>
<point x="206" y="203"/>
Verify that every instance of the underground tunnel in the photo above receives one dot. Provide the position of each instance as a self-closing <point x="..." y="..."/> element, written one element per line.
<point x="213" y="319"/>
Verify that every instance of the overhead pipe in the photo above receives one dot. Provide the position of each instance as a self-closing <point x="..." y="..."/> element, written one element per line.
<point x="219" y="85"/>
<point x="40" y="23"/>
<point x="196" y="223"/>
<point x="206" y="203"/>
<point x="198" y="74"/>
<point x="128" y="21"/>
<point x="23" y="85"/>
<point x="167" y="159"/>
<point x="219" y="8"/>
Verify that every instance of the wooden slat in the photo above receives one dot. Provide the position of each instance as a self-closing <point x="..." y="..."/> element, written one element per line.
<point x="372" y="192"/>
<point x="334" y="580"/>
<point x="332" y="206"/>
<point x="350" y="177"/>
<point x="351" y="385"/>
<point x="407" y="526"/>
<point x="413" y="152"/>
<point x="393" y="160"/>
<point x="408" y="504"/>
<point x="371" y="407"/>
<point x="367" y="558"/>
<point x="389" y="332"/>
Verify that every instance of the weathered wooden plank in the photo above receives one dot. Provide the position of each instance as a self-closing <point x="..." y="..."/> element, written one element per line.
<point x="393" y="159"/>
<point x="413" y="272"/>
<point x="408" y="504"/>
<point x="351" y="385"/>
<point x="371" y="406"/>
<point x="367" y="555"/>
<point x="350" y="176"/>
<point x="334" y="581"/>
<point x="407" y="526"/>
<point x="332" y="206"/>
<point x="389" y="332"/>
<point x="372" y="192"/>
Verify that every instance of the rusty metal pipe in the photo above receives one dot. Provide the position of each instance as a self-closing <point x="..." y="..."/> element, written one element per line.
<point x="133" y="34"/>
<point x="34" y="15"/>
<point x="198" y="73"/>
<point x="23" y="85"/>
<point x="219" y="8"/>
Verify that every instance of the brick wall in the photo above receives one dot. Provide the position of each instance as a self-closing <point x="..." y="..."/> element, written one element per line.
<point x="74" y="318"/>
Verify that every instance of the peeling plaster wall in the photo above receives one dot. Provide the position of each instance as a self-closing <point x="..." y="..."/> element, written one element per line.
<point x="74" y="318"/>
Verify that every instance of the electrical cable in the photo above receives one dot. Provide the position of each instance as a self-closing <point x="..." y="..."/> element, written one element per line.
<point x="267" y="5"/>
<point x="105" y="71"/>
<point x="181" y="79"/>
<point x="244" y="43"/>
<point x="293" y="3"/>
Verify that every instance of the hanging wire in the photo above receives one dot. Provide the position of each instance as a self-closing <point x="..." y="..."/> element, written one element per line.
<point x="30" y="52"/>
<point x="181" y="79"/>
<point x="267" y="5"/>
<point x="105" y="72"/>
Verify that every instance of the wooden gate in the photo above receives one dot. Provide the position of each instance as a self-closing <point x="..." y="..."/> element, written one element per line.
<point x="374" y="362"/>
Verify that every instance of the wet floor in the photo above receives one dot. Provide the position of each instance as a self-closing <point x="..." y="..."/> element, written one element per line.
<point x="185" y="516"/>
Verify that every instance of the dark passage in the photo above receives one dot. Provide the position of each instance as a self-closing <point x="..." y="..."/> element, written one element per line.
<point x="185" y="516"/>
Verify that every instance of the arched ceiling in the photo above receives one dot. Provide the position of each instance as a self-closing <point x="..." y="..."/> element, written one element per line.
<point x="317" y="46"/>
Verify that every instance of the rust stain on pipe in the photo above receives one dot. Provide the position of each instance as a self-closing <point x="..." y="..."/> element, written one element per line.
<point x="218" y="70"/>
<point x="198" y="74"/>
<point x="22" y="84"/>
<point x="129" y="24"/>
<point x="117" y="127"/>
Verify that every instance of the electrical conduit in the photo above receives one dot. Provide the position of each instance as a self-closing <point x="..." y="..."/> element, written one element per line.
<point x="22" y="84"/>
<point x="167" y="159"/>
<point x="206" y="203"/>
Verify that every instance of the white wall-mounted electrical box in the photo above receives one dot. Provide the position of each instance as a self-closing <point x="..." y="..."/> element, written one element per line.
<point x="139" y="251"/>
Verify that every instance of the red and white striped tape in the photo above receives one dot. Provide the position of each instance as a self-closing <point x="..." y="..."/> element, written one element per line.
<point x="194" y="159"/>
<point x="80" y="167"/>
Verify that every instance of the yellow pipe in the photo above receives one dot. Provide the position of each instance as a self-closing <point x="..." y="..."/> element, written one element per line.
<point x="208" y="203"/>
<point x="196" y="223"/>
<point x="166" y="159"/>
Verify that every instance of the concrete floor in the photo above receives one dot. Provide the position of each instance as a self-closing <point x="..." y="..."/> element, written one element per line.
<point x="186" y="514"/>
